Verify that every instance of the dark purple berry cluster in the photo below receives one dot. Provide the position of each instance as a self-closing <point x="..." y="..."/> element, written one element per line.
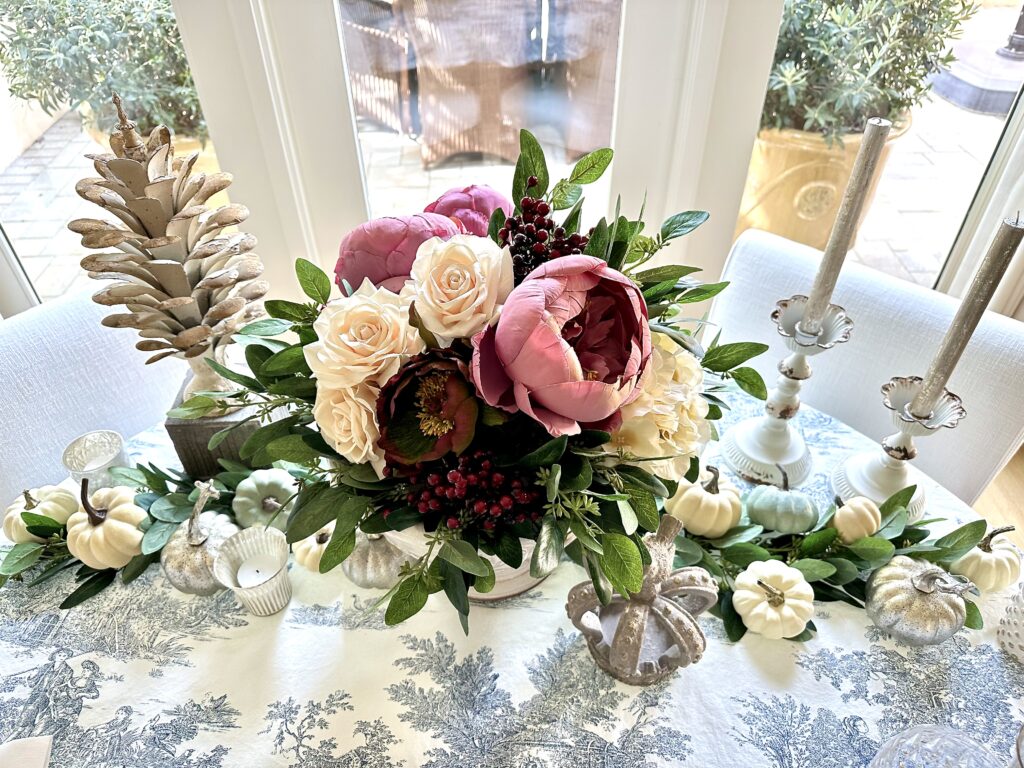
<point x="472" y="491"/>
<point x="534" y="238"/>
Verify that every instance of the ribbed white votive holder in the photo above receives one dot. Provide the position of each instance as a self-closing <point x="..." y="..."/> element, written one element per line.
<point x="270" y="596"/>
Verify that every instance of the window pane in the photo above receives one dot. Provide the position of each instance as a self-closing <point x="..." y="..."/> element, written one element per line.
<point x="931" y="67"/>
<point x="441" y="88"/>
<point x="60" y="61"/>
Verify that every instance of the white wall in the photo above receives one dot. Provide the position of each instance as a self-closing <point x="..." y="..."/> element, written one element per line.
<point x="21" y="123"/>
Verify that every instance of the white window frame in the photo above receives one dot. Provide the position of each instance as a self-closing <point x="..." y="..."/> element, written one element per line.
<point x="16" y="291"/>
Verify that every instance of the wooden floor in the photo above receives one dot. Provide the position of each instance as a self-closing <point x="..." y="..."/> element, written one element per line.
<point x="1002" y="503"/>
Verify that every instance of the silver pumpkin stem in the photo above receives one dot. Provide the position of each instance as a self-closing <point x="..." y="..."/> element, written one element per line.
<point x="196" y="536"/>
<point x="939" y="581"/>
<point x="776" y="596"/>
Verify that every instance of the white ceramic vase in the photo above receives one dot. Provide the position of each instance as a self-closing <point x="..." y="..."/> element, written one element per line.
<point x="508" y="582"/>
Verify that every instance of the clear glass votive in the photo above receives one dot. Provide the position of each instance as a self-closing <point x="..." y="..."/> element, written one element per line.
<point x="91" y="457"/>
<point x="253" y="564"/>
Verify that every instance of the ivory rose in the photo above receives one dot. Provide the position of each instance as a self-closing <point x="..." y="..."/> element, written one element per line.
<point x="362" y="339"/>
<point x="569" y="347"/>
<point x="460" y="284"/>
<point x="472" y="205"/>
<point x="668" y="418"/>
<point x="347" y="418"/>
<point x="382" y="250"/>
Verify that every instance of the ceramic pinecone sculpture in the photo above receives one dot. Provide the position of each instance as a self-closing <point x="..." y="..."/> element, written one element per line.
<point x="187" y="285"/>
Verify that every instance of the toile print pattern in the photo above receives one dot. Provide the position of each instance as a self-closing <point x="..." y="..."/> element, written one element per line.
<point x="124" y="680"/>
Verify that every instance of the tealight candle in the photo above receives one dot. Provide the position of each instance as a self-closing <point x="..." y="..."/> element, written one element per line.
<point x="91" y="457"/>
<point x="256" y="570"/>
<point x="253" y="564"/>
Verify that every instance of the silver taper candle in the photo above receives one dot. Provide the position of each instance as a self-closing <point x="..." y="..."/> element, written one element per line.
<point x="845" y="226"/>
<point x="993" y="266"/>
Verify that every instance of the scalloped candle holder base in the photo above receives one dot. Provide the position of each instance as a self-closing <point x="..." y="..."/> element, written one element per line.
<point x="877" y="477"/>
<point x="756" y="448"/>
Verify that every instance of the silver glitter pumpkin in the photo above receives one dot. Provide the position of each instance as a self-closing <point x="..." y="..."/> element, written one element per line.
<point x="916" y="602"/>
<point x="375" y="562"/>
<point x="187" y="558"/>
<point x="647" y="637"/>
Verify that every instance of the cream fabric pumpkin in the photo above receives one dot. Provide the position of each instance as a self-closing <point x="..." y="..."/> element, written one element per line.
<point x="993" y="564"/>
<point x="857" y="518"/>
<point x="105" y="532"/>
<point x="48" y="501"/>
<point x="309" y="550"/>
<point x="706" y="509"/>
<point x="773" y="599"/>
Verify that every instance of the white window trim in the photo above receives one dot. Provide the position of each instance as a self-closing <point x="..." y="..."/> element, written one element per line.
<point x="16" y="291"/>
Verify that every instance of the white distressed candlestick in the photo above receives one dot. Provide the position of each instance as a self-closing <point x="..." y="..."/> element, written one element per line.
<point x="976" y="300"/>
<point x="845" y="227"/>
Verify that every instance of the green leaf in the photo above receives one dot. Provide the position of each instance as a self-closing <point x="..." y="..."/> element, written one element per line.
<point x="137" y="566"/>
<point x="313" y="281"/>
<point x="582" y="533"/>
<point x="591" y="166"/>
<point x="728" y="356"/>
<point x="173" y="508"/>
<point x="682" y="224"/>
<point x="50" y="570"/>
<point x="287" y="310"/>
<point x="551" y="484"/>
<point x="546" y="455"/>
<point x="463" y="556"/>
<point x="308" y="518"/>
<point x="40" y="525"/>
<point x="817" y="542"/>
<point x="688" y="552"/>
<point x="343" y="541"/>
<point x="592" y="438"/>
<point x="268" y="326"/>
<point x="136" y="478"/>
<point x="572" y="218"/>
<point x="565" y="195"/>
<point x="157" y="536"/>
<point x="21" y="557"/>
<point x="670" y="272"/>
<point x="641" y="478"/>
<point x="893" y="524"/>
<point x="621" y="563"/>
<point x="845" y="571"/>
<point x="750" y="381"/>
<point x="530" y="163"/>
<point x="509" y="549"/>
<point x="961" y="541"/>
<point x="627" y="515"/>
<point x="597" y="245"/>
<point x="293" y="448"/>
<point x="495" y="223"/>
<point x="301" y="387"/>
<point x="548" y="549"/>
<point x="577" y="473"/>
<point x="92" y="586"/>
<point x="253" y="449"/>
<point x="737" y="535"/>
<point x="701" y="293"/>
<point x="735" y="629"/>
<point x="454" y="586"/>
<point x="194" y="408"/>
<point x="484" y="584"/>
<point x="814" y="570"/>
<point x="745" y="553"/>
<point x="288" y="361"/>
<point x="974" y="619"/>
<point x="409" y="598"/>
<point x="239" y="378"/>
<point x="900" y="499"/>
<point x="645" y="508"/>
<point x="873" y="550"/>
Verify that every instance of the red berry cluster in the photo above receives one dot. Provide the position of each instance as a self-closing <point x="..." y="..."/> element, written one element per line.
<point x="471" y="490"/>
<point x="533" y="238"/>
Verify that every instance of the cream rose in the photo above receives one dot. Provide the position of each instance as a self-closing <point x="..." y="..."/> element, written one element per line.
<point x="347" y="418"/>
<point x="460" y="284"/>
<point x="362" y="338"/>
<point x="668" y="419"/>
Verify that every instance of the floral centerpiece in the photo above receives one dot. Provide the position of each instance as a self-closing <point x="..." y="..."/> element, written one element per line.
<point x="494" y="379"/>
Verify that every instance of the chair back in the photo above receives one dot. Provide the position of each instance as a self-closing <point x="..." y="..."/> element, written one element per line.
<point x="898" y="327"/>
<point x="63" y="374"/>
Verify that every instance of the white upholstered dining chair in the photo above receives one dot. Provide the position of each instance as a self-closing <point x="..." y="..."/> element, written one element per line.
<point x="897" y="328"/>
<point x="63" y="374"/>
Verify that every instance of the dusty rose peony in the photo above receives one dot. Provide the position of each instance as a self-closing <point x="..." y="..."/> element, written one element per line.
<point x="569" y="347"/>
<point x="472" y="205"/>
<point x="383" y="250"/>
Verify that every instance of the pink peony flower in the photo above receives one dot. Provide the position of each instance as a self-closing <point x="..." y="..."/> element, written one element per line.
<point x="569" y="346"/>
<point x="383" y="250"/>
<point x="472" y="205"/>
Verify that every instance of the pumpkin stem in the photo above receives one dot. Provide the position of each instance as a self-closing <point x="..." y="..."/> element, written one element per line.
<point x="196" y="535"/>
<point x="30" y="503"/>
<point x="785" y="477"/>
<point x="270" y="504"/>
<point x="985" y="545"/>
<point x="838" y="502"/>
<point x="937" y="580"/>
<point x="711" y="486"/>
<point x="323" y="537"/>
<point x="96" y="516"/>
<point x="776" y="596"/>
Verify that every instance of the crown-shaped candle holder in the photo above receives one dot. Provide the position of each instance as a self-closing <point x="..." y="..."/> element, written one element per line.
<point x="879" y="474"/>
<point x="757" y="447"/>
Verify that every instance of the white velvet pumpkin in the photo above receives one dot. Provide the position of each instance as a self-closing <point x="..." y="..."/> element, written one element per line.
<point x="992" y="565"/>
<point x="773" y="599"/>
<point x="310" y="550"/>
<point x="857" y="518"/>
<point x="706" y="509"/>
<point x="259" y="498"/>
<point x="105" y="532"/>
<point x="49" y="501"/>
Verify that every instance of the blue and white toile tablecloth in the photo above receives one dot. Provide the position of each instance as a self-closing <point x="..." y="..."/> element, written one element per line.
<point x="145" y="676"/>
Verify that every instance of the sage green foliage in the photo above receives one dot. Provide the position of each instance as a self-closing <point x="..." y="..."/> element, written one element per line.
<point x="840" y="62"/>
<point x="81" y="51"/>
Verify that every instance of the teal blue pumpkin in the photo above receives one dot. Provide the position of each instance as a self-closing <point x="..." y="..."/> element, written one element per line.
<point x="780" y="509"/>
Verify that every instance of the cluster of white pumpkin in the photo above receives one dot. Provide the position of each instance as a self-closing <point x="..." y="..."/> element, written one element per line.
<point x="776" y="600"/>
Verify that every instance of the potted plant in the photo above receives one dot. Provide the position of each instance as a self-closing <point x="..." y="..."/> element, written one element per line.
<point x="78" y="52"/>
<point x="838" y="63"/>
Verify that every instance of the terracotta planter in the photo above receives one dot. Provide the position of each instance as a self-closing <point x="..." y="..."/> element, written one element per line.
<point x="796" y="181"/>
